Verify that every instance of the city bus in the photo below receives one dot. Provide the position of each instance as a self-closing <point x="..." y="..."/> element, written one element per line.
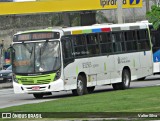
<point x="155" y="38"/>
<point x="80" y="58"/>
<point x="155" y="35"/>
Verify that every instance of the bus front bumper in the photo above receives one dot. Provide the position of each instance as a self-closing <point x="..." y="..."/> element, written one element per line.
<point x="57" y="85"/>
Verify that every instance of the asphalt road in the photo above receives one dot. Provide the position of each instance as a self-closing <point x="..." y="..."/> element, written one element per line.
<point x="8" y="98"/>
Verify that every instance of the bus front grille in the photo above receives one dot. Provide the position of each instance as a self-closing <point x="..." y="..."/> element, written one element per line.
<point x="33" y="82"/>
<point x="36" y="80"/>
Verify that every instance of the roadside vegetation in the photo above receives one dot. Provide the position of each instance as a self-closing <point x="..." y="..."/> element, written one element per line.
<point x="131" y="100"/>
<point x="154" y="16"/>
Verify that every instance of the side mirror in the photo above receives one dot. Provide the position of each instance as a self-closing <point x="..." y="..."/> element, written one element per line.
<point x="11" y="49"/>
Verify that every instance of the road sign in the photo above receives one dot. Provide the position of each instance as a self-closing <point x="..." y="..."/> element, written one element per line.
<point x="63" y="5"/>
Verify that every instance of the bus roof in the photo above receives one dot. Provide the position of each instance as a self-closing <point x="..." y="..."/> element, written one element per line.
<point x="104" y="28"/>
<point x="49" y="29"/>
<point x="92" y="28"/>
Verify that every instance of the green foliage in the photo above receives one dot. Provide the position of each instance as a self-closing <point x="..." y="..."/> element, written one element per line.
<point x="60" y="19"/>
<point x="101" y="18"/>
<point x="57" y="20"/>
<point x="75" y="19"/>
<point x="154" y="16"/>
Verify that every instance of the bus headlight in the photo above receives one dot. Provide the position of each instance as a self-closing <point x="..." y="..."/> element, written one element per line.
<point x="58" y="74"/>
<point x="14" y="78"/>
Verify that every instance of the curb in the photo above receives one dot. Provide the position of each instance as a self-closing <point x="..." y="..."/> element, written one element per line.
<point x="6" y="85"/>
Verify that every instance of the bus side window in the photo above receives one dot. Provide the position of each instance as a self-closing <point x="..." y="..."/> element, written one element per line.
<point x="143" y="40"/>
<point x="67" y="48"/>
<point x="105" y="43"/>
<point x="79" y="45"/>
<point x="130" y="40"/>
<point x="153" y="38"/>
<point x="93" y="44"/>
<point x="118" y="42"/>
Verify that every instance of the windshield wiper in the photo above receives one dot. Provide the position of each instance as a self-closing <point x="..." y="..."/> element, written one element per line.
<point x="29" y="50"/>
<point x="44" y="47"/>
<point x="41" y="51"/>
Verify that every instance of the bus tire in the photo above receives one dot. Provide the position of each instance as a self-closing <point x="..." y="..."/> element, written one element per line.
<point x="141" y="79"/>
<point x="81" y="87"/>
<point x="115" y="86"/>
<point x="38" y="96"/>
<point x="90" y="89"/>
<point x="126" y="79"/>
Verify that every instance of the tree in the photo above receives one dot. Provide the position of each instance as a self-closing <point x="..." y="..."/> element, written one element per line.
<point x="154" y="16"/>
<point x="101" y="18"/>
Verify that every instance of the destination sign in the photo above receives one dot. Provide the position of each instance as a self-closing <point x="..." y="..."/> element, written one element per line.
<point x="36" y="36"/>
<point x="24" y="37"/>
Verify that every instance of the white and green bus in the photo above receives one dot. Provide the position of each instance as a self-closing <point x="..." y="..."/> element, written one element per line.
<point x="80" y="58"/>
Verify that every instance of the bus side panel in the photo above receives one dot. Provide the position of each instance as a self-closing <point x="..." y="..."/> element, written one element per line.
<point x="146" y="63"/>
<point x="131" y="61"/>
<point x="156" y="60"/>
<point x="156" y="67"/>
<point x="101" y="69"/>
<point x="72" y="70"/>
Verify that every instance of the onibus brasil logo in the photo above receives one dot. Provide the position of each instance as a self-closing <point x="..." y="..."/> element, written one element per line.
<point x="113" y="2"/>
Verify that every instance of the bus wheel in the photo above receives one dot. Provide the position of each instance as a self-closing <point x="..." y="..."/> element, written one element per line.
<point x="141" y="79"/>
<point x="81" y="86"/>
<point x="126" y="79"/>
<point x="90" y="89"/>
<point x="115" y="86"/>
<point x="38" y="96"/>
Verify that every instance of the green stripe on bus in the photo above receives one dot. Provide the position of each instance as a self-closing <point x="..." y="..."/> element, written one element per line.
<point x="105" y="67"/>
<point x="87" y="31"/>
<point x="77" y="70"/>
<point x="134" y="63"/>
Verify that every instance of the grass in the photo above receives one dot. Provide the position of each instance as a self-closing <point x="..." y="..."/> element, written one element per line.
<point x="131" y="100"/>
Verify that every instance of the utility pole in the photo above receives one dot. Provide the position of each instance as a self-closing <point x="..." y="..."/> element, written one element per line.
<point x="66" y="19"/>
<point x="2" y="54"/>
<point x="147" y="5"/>
<point x="157" y="2"/>
<point x="134" y="13"/>
<point x="119" y="11"/>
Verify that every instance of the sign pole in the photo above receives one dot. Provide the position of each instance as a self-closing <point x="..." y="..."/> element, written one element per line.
<point x="119" y="11"/>
<point x="157" y="2"/>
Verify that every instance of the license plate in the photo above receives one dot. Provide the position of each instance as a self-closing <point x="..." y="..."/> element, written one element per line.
<point x="36" y="88"/>
<point x="1" y="78"/>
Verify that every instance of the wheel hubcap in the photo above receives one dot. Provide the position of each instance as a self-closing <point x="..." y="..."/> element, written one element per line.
<point x="126" y="79"/>
<point x="80" y="86"/>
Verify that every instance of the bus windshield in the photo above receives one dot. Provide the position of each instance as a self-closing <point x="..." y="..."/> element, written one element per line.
<point x="36" y="57"/>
